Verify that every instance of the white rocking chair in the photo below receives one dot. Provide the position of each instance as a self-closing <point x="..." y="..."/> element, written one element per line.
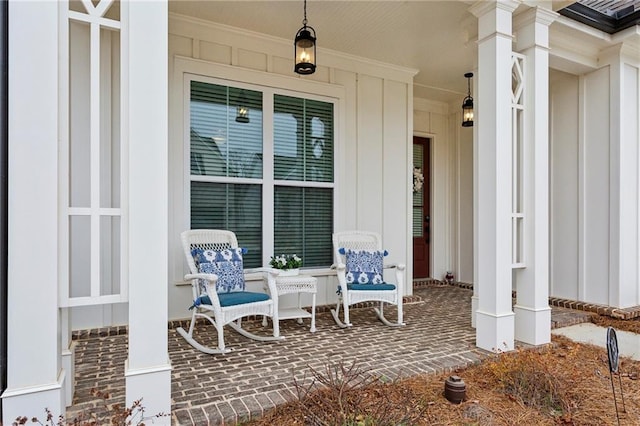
<point x="225" y="307"/>
<point x="352" y="291"/>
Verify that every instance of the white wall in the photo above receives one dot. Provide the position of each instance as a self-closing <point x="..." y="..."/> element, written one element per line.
<point x="594" y="184"/>
<point x="464" y="190"/>
<point x="595" y="158"/>
<point x="563" y="139"/>
<point x="629" y="293"/>
<point x="451" y="184"/>
<point x="595" y="190"/>
<point x="372" y="138"/>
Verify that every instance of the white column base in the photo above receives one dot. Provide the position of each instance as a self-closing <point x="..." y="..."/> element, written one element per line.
<point x="31" y="401"/>
<point x="68" y="365"/>
<point x="495" y="333"/>
<point x="533" y="326"/>
<point x="153" y="386"/>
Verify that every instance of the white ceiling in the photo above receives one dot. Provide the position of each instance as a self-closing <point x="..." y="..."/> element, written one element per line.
<point x="438" y="38"/>
<point x="435" y="37"/>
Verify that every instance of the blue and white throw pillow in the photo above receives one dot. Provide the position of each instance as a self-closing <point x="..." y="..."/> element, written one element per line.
<point x="226" y="264"/>
<point x="363" y="266"/>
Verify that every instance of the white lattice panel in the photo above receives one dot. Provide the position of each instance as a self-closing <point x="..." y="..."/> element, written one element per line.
<point x="517" y="125"/>
<point x="93" y="263"/>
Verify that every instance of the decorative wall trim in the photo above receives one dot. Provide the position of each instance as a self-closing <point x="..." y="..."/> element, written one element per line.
<point x="199" y="29"/>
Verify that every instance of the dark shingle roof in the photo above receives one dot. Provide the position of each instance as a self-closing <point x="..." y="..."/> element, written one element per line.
<point x="609" y="16"/>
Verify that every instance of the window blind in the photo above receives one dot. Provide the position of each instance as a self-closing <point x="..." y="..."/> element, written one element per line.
<point x="303" y="139"/>
<point x="220" y="145"/>
<point x="235" y="207"/>
<point x="223" y="149"/>
<point x="303" y="223"/>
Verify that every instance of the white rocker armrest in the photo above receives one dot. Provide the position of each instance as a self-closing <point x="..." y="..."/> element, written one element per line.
<point x="266" y="269"/>
<point x="338" y="266"/>
<point x="399" y="266"/>
<point x="272" y="273"/>
<point x="213" y="278"/>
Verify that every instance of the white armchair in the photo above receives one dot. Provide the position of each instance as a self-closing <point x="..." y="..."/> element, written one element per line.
<point x="217" y="282"/>
<point x="359" y="256"/>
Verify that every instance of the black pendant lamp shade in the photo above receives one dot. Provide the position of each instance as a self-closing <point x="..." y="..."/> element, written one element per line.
<point x="467" y="104"/>
<point x="305" y="47"/>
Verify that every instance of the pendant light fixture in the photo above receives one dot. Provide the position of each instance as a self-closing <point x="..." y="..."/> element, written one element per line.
<point x="242" y="114"/>
<point x="467" y="104"/>
<point x="242" y="111"/>
<point x="305" y="47"/>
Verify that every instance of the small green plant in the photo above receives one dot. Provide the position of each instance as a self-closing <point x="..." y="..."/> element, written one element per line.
<point x="286" y="261"/>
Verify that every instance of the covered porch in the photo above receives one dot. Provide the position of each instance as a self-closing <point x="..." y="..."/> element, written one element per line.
<point x="540" y="196"/>
<point x="256" y="377"/>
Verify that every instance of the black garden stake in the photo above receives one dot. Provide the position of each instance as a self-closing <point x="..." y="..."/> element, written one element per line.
<point x="612" y="354"/>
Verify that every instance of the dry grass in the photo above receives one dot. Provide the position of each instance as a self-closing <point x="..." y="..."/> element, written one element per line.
<point x="632" y="325"/>
<point x="564" y="383"/>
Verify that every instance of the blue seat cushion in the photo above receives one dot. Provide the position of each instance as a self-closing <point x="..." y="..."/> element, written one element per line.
<point x="374" y="287"/>
<point x="234" y="298"/>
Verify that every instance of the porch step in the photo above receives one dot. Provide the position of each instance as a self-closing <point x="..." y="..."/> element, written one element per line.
<point x="618" y="313"/>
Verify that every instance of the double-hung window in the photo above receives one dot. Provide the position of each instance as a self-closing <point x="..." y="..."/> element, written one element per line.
<point x="262" y="166"/>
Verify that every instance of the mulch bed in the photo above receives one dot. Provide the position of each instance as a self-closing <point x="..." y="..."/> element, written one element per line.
<point x="564" y="383"/>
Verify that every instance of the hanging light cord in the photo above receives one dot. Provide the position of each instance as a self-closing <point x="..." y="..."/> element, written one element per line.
<point x="304" y="21"/>
<point x="469" y="86"/>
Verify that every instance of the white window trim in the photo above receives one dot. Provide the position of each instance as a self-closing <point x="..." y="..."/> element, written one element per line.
<point x="187" y="69"/>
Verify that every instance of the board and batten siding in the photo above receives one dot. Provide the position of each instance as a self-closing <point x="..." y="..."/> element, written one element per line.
<point x="373" y="135"/>
<point x="589" y="189"/>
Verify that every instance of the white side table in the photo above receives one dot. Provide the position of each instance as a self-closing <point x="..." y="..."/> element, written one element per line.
<point x="298" y="284"/>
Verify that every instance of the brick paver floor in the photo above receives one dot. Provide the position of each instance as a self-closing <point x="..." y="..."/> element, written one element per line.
<point x="255" y="377"/>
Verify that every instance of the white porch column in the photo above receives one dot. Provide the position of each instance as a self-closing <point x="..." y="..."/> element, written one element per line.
<point x="494" y="318"/>
<point x="147" y="369"/>
<point x="533" y="315"/>
<point x="624" y="65"/>
<point x="475" y="298"/>
<point x="35" y="378"/>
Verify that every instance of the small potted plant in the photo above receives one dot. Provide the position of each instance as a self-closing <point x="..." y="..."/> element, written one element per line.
<point x="289" y="264"/>
<point x="449" y="277"/>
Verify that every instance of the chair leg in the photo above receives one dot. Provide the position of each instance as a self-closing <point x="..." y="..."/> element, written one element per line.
<point x="381" y="317"/>
<point x="220" y="330"/>
<point x="192" y="323"/>
<point x="336" y="314"/>
<point x="400" y="312"/>
<point x="276" y="328"/>
<point x="345" y="305"/>
<point x="188" y="336"/>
